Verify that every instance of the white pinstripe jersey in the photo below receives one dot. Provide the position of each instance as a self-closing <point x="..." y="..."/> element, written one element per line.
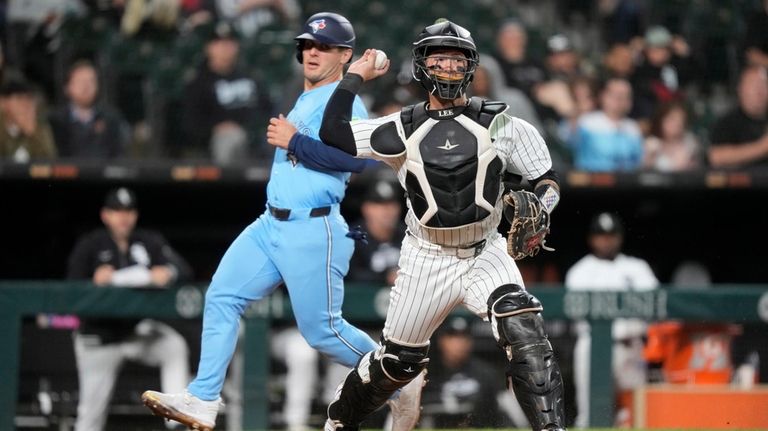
<point x="517" y="143"/>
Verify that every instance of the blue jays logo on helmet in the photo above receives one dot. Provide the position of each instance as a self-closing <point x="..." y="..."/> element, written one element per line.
<point x="317" y="24"/>
<point x="327" y="28"/>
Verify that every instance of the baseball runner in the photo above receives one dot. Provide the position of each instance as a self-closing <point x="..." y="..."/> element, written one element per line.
<point x="301" y="240"/>
<point x="450" y="154"/>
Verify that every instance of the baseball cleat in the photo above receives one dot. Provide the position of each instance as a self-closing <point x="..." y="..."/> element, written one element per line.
<point x="184" y="408"/>
<point x="406" y="406"/>
<point x="333" y="425"/>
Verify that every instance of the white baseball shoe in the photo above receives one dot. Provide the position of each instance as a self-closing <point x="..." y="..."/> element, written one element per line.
<point x="406" y="406"/>
<point x="184" y="408"/>
<point x="332" y="425"/>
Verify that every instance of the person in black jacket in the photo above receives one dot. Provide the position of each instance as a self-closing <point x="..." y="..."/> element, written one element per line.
<point x="662" y="75"/>
<point x="375" y="260"/>
<point x="83" y="127"/>
<point x="222" y="103"/>
<point x="120" y="255"/>
<point x="739" y="139"/>
<point x="462" y="388"/>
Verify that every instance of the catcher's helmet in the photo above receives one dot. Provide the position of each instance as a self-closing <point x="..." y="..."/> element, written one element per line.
<point x="328" y="28"/>
<point x="444" y="35"/>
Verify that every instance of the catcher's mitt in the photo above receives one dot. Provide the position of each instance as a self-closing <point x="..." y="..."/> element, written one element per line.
<point x="529" y="224"/>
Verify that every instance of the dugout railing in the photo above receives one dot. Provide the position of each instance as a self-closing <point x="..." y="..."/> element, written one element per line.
<point x="741" y="304"/>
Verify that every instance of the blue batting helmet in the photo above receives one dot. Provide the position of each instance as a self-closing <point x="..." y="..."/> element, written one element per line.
<point x="328" y="28"/>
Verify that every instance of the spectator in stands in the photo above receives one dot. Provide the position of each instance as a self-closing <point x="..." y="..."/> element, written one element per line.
<point x="619" y="61"/>
<point x="740" y="138"/>
<point x="23" y="136"/>
<point x="222" y="103"/>
<point x="83" y="127"/>
<point x="671" y="146"/>
<point x="375" y="261"/>
<point x="621" y="20"/>
<point x="488" y="83"/>
<point x="156" y="15"/>
<point x="138" y="37"/>
<point x="607" y="140"/>
<point x="196" y="13"/>
<point x="756" y="39"/>
<point x="553" y="97"/>
<point x="661" y="75"/>
<point x="462" y="391"/>
<point x="563" y="61"/>
<point x="31" y="32"/>
<point x="122" y="256"/>
<point x="584" y="93"/>
<point x="606" y="268"/>
<point x="250" y="16"/>
<point x="520" y="71"/>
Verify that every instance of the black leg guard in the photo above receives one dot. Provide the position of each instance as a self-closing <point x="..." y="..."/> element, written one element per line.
<point x="533" y="370"/>
<point x="373" y="381"/>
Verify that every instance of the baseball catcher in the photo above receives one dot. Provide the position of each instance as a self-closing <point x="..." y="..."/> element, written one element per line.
<point x="450" y="153"/>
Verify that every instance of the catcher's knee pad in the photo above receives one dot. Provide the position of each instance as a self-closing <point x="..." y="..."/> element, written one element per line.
<point x="373" y="381"/>
<point x="402" y="364"/>
<point x="508" y="301"/>
<point x="532" y="371"/>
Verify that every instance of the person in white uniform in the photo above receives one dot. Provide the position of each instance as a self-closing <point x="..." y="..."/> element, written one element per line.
<point x="606" y="268"/>
<point x="451" y="154"/>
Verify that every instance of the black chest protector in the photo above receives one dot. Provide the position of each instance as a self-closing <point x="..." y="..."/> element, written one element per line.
<point x="453" y="172"/>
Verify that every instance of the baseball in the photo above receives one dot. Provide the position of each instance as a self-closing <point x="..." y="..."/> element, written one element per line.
<point x="381" y="59"/>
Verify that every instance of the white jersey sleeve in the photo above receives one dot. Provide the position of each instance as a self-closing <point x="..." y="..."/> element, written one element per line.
<point x="521" y="146"/>
<point x="363" y="129"/>
<point x="644" y="278"/>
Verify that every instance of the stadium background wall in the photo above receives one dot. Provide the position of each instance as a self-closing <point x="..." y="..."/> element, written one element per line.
<point x="719" y="219"/>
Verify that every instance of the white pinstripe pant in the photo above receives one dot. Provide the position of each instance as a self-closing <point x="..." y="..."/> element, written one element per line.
<point x="431" y="282"/>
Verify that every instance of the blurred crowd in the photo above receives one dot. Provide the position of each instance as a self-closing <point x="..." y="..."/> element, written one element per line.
<point x="614" y="85"/>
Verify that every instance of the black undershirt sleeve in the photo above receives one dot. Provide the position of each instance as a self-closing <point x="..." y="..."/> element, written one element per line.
<point x="335" y="129"/>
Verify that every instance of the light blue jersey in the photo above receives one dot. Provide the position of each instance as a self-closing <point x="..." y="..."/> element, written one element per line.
<point x="603" y="145"/>
<point x="294" y="185"/>
<point x="304" y="244"/>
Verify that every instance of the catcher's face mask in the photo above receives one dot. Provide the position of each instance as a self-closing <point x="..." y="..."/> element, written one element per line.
<point x="448" y="65"/>
<point x="449" y="71"/>
<point x="449" y="76"/>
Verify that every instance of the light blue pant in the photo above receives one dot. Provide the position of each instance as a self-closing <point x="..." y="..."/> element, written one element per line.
<point x="311" y="255"/>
